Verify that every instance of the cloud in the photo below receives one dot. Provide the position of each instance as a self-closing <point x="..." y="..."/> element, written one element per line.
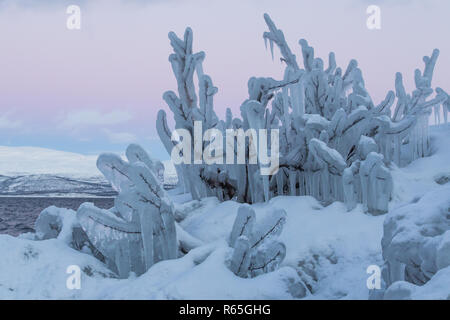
<point x="91" y="117"/>
<point x="120" y="137"/>
<point x="8" y="123"/>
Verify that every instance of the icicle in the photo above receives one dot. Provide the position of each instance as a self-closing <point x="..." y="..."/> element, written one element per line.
<point x="337" y="185"/>
<point x="325" y="186"/>
<point x="280" y="182"/>
<point x="315" y="186"/>
<point x="287" y="124"/>
<point x="308" y="183"/>
<point x="425" y="138"/>
<point x="219" y="193"/>
<point x="265" y="180"/>
<point x="292" y="182"/>
<point x="445" y="112"/>
<point x="297" y="99"/>
<point x="301" y="183"/>
<point x="420" y="138"/>
<point x="397" y="150"/>
<point x="437" y="114"/>
<point x="271" y="49"/>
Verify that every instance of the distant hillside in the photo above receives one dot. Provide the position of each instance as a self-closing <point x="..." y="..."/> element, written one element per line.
<point x="45" y="172"/>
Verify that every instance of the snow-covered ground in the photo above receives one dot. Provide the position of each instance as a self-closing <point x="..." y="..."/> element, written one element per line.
<point x="328" y="248"/>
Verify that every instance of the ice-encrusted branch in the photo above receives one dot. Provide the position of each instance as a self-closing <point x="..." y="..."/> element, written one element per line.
<point x="276" y="36"/>
<point x="255" y="248"/>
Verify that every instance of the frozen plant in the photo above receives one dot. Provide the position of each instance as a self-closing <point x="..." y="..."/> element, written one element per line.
<point x="140" y="229"/>
<point x="54" y="222"/>
<point x="403" y="136"/>
<point x="199" y="180"/>
<point x="255" y="248"/>
<point x="368" y="180"/>
<point x="323" y="116"/>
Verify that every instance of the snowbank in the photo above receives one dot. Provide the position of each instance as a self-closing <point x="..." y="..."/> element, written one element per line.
<point x="435" y="289"/>
<point x="37" y="270"/>
<point x="320" y="246"/>
<point x="424" y="174"/>
<point x="416" y="240"/>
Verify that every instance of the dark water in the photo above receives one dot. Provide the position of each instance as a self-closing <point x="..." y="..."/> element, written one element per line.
<point x="18" y="214"/>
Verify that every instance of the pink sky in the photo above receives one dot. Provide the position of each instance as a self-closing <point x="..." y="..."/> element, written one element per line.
<point x="100" y="87"/>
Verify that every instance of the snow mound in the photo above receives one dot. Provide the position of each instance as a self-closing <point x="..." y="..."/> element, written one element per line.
<point x="329" y="247"/>
<point x="37" y="269"/>
<point x="418" y="236"/>
<point x="435" y="289"/>
<point x="416" y="240"/>
<point x="424" y="174"/>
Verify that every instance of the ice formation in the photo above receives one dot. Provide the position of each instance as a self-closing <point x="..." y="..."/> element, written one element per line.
<point x="335" y="142"/>
<point x="140" y="229"/>
<point x="255" y="249"/>
<point x="416" y="244"/>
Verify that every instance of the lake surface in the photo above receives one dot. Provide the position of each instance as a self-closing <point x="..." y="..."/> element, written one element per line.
<point x="18" y="214"/>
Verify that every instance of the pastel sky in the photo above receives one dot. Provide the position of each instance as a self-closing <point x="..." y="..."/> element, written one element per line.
<point x="99" y="88"/>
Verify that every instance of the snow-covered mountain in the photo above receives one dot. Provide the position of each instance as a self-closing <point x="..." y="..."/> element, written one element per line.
<point x="15" y="161"/>
<point x="54" y="185"/>
<point x="39" y="171"/>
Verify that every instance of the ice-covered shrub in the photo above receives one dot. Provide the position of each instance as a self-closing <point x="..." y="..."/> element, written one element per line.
<point x="416" y="239"/>
<point x="140" y="229"/>
<point x="325" y="117"/>
<point x="54" y="222"/>
<point x="49" y="223"/>
<point x="256" y="250"/>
